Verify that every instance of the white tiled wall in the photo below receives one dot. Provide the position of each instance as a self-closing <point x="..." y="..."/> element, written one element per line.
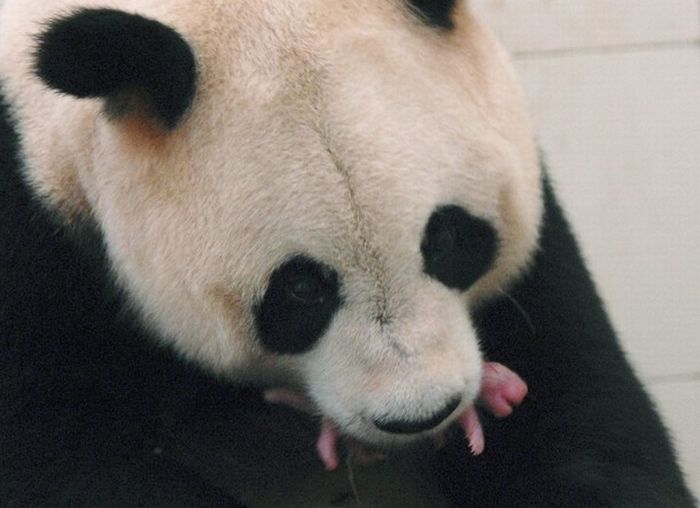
<point x="556" y="25"/>
<point x="614" y="87"/>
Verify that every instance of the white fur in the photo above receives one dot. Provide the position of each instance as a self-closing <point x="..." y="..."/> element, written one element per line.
<point x="328" y="128"/>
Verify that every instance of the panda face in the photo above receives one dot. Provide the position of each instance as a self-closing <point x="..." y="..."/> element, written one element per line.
<point x="347" y="180"/>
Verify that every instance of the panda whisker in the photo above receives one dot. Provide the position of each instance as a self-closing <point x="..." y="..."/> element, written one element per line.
<point x="351" y="479"/>
<point x="521" y="310"/>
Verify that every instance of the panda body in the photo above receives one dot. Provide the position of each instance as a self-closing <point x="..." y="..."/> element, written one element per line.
<point x="341" y="198"/>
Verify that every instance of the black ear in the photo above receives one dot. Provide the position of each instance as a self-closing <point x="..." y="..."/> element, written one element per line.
<point x="435" y="12"/>
<point x="129" y="60"/>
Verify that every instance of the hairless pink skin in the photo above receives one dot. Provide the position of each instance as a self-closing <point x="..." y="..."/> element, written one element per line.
<point x="501" y="391"/>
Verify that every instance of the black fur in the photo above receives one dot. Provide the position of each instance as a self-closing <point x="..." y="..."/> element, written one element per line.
<point x="457" y="247"/>
<point x="81" y="386"/>
<point x="588" y="434"/>
<point x="437" y="13"/>
<point x="301" y="299"/>
<point x="124" y="58"/>
<point x="92" y="414"/>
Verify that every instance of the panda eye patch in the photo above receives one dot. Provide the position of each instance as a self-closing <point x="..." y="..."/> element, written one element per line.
<point x="457" y="247"/>
<point x="301" y="299"/>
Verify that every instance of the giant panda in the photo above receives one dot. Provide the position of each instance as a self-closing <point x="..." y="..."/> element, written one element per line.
<point x="235" y="229"/>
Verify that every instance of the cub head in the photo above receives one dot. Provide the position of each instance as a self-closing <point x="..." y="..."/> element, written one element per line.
<point x="306" y="193"/>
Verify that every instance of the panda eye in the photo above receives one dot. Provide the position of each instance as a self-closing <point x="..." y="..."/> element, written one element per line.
<point x="305" y="290"/>
<point x="457" y="247"/>
<point x="301" y="299"/>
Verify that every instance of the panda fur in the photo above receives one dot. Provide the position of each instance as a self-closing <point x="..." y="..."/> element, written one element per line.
<point x="143" y="229"/>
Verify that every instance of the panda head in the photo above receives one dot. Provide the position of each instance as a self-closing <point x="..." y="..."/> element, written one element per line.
<point x="302" y="193"/>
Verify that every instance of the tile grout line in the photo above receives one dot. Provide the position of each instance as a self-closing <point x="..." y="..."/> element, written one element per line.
<point x="604" y="50"/>
<point x="686" y="377"/>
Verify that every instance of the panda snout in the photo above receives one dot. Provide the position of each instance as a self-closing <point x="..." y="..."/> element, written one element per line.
<point x="402" y="425"/>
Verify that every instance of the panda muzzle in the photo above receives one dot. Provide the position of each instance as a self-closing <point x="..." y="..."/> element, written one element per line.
<point x="501" y="391"/>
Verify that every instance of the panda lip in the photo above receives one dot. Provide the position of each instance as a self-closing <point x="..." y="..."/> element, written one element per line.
<point x="501" y="391"/>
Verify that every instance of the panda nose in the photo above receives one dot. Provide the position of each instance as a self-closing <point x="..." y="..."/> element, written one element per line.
<point x="406" y="426"/>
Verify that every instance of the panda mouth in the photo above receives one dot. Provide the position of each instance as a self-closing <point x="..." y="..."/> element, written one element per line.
<point x="327" y="448"/>
<point x="501" y="391"/>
